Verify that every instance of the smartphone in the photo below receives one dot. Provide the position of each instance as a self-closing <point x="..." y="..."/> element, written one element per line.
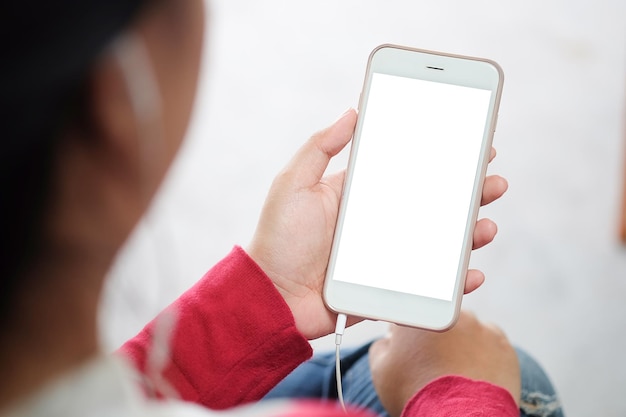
<point x="413" y="187"/>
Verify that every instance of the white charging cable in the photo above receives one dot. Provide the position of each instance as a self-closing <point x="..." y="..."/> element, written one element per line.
<point x="339" y="328"/>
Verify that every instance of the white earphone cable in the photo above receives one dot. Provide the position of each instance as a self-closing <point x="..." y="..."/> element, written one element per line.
<point x="339" y="329"/>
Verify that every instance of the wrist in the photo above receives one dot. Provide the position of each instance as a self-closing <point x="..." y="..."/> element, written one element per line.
<point x="263" y="261"/>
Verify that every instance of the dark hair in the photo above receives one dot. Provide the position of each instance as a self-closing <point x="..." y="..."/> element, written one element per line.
<point x="50" y="48"/>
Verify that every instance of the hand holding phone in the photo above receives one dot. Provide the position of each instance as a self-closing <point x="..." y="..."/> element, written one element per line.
<point x="293" y="238"/>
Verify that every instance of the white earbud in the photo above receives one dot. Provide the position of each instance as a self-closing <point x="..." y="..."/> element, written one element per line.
<point x="145" y="98"/>
<point x="139" y="76"/>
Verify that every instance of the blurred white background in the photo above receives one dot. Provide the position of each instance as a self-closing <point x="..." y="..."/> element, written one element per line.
<point x="277" y="71"/>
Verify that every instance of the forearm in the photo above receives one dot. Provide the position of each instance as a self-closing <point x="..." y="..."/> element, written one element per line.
<point x="234" y="337"/>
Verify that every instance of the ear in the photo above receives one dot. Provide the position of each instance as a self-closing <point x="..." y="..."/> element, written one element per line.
<point x="98" y="196"/>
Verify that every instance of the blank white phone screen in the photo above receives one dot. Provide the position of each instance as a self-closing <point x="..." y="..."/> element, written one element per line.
<point x="411" y="187"/>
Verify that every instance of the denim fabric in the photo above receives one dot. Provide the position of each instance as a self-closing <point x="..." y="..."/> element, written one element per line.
<point x="316" y="379"/>
<point x="539" y="397"/>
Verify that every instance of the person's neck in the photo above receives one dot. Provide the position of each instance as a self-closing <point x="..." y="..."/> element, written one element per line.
<point x="53" y="328"/>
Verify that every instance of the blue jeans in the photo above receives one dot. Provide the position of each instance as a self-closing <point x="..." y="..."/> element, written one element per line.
<point x="316" y="379"/>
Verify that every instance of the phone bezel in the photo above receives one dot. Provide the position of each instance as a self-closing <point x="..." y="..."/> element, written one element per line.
<point x="397" y="307"/>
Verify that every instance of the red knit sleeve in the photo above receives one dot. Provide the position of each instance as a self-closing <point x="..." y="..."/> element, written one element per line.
<point x="234" y="338"/>
<point x="452" y="396"/>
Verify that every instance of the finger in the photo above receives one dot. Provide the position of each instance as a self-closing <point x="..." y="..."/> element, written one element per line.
<point x="310" y="162"/>
<point x="495" y="186"/>
<point x="493" y="154"/>
<point x="474" y="279"/>
<point x="484" y="232"/>
<point x="352" y="320"/>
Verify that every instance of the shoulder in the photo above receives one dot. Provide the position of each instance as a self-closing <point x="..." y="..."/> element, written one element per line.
<point x="263" y="409"/>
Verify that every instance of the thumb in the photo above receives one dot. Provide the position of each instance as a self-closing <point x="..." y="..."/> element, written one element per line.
<point x="310" y="162"/>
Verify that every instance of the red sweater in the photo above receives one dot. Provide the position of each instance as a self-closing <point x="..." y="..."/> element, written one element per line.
<point x="235" y="339"/>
